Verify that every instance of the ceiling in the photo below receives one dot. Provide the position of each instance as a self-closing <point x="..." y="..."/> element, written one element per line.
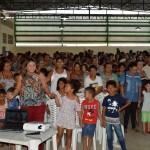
<point x="74" y="4"/>
<point x="103" y="22"/>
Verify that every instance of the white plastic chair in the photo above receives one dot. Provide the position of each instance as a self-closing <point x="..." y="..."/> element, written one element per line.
<point x="115" y="139"/>
<point x="52" y="117"/>
<point x="99" y="131"/>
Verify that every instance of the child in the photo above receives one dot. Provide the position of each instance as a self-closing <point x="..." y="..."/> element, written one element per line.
<point x="3" y="107"/>
<point x="110" y="114"/>
<point x="67" y="114"/>
<point x="90" y="111"/>
<point x="146" y="108"/>
<point x="13" y="103"/>
<point x="61" y="84"/>
<point x="93" y="80"/>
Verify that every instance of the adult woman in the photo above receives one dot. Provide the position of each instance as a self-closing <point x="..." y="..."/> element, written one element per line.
<point x="6" y="76"/>
<point x="47" y="62"/>
<point x="56" y="73"/>
<point x="142" y="73"/>
<point x="77" y="74"/>
<point x="32" y="87"/>
<point x="121" y="69"/>
<point x="40" y="64"/>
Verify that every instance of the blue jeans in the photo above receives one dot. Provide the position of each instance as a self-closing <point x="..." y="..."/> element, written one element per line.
<point x="109" y="131"/>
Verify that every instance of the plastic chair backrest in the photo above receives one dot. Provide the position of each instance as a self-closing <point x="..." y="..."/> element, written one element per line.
<point x="77" y="117"/>
<point x="53" y="110"/>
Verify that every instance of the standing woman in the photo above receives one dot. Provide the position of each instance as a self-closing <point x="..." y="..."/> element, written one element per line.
<point x="32" y="87"/>
<point x="77" y="74"/>
<point x="6" y="76"/>
<point x="57" y="73"/>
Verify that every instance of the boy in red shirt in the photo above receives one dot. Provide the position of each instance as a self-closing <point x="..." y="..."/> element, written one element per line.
<point x="90" y="112"/>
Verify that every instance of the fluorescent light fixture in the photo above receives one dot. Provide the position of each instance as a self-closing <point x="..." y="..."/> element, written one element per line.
<point x="129" y="44"/>
<point x="138" y="28"/>
<point x="4" y="18"/>
<point x="64" y="17"/>
<point x="37" y="44"/>
<point x="79" y="45"/>
<point x="61" y="27"/>
<point x="82" y="11"/>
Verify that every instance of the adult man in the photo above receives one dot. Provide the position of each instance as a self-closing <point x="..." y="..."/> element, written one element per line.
<point x="130" y="88"/>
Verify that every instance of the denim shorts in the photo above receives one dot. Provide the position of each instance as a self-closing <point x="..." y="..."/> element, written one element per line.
<point x="88" y="130"/>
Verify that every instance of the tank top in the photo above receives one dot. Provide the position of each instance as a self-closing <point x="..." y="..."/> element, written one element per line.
<point x="55" y="77"/>
<point x="32" y="93"/>
<point x="8" y="82"/>
<point x="90" y="113"/>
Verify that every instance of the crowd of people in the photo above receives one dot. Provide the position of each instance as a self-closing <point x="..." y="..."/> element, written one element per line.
<point x="122" y="79"/>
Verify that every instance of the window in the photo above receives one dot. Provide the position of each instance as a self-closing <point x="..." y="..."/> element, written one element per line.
<point x="10" y="39"/>
<point x="4" y="38"/>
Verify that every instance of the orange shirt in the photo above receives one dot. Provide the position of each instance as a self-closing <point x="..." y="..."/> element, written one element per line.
<point x="90" y="111"/>
<point x="3" y="110"/>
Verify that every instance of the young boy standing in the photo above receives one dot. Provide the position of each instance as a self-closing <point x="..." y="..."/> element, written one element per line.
<point x="90" y="112"/>
<point x="112" y="105"/>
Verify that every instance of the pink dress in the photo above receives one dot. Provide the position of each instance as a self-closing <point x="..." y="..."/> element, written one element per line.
<point x="67" y="114"/>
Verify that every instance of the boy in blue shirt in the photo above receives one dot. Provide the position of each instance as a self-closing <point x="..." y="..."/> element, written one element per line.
<point x="112" y="105"/>
<point x="13" y="103"/>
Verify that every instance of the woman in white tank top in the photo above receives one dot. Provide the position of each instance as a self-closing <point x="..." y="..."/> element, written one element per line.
<point x="58" y="72"/>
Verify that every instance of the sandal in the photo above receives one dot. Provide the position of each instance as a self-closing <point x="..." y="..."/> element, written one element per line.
<point x="135" y="130"/>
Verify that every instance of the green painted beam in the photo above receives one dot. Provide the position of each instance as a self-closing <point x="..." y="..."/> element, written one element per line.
<point x="15" y="28"/>
<point x="82" y="35"/>
<point x="80" y="25"/>
<point x="107" y="31"/>
<point x="83" y="21"/>
<point x="89" y="31"/>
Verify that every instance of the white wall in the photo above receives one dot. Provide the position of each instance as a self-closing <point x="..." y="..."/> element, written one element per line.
<point x="76" y="50"/>
<point x="6" y="27"/>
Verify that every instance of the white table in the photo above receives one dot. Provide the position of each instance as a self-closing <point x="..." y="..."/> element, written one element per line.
<point x="32" y="142"/>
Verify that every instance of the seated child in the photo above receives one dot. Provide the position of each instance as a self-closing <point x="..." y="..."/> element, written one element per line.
<point x="13" y="103"/>
<point x="110" y="114"/>
<point x="90" y="111"/>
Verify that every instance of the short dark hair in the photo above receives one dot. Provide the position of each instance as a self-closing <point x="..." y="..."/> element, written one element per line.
<point x="2" y="91"/>
<point x="111" y="82"/>
<point x="64" y="80"/>
<point x="132" y="64"/>
<point x="146" y="82"/>
<point x="75" y="85"/>
<point x="91" y="90"/>
<point x="11" y="89"/>
<point x="121" y="64"/>
<point x="92" y="67"/>
<point x="107" y="64"/>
